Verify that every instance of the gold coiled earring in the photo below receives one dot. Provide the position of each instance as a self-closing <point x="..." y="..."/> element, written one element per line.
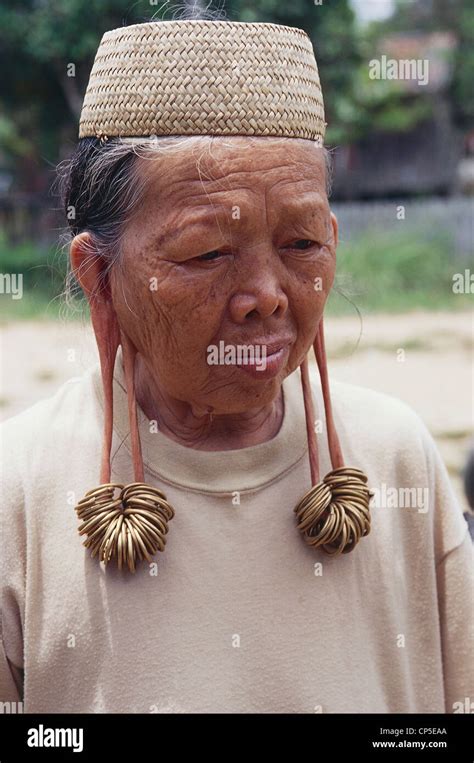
<point x="334" y="514"/>
<point x="128" y="523"/>
<point x="130" y="527"/>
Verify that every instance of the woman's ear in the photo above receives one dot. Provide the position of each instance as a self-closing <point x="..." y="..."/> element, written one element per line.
<point x="335" y="228"/>
<point x="87" y="265"/>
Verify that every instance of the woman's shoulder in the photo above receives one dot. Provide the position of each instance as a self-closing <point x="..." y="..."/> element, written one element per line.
<point x="388" y="439"/>
<point x="375" y="415"/>
<point x="361" y="402"/>
<point x="384" y="430"/>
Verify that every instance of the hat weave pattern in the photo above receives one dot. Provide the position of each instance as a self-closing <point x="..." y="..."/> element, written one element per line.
<point x="204" y="78"/>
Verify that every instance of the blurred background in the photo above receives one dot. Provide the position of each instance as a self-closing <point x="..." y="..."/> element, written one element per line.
<point x="397" y="78"/>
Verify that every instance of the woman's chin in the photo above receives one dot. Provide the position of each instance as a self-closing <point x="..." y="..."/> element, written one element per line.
<point x="252" y="392"/>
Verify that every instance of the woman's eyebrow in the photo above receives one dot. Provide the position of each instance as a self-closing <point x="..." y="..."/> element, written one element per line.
<point x="187" y="219"/>
<point x="205" y="213"/>
<point x="304" y="203"/>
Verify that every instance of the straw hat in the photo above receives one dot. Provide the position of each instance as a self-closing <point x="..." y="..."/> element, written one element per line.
<point x="208" y="78"/>
<point x="204" y="77"/>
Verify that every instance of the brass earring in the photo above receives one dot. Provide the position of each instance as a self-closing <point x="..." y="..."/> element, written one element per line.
<point x="334" y="513"/>
<point x="125" y="522"/>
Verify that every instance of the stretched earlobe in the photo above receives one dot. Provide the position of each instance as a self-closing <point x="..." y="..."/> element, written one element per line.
<point x="310" y="420"/>
<point x="335" y="451"/>
<point x="125" y="522"/>
<point x="334" y="513"/>
<point x="104" y="322"/>
<point x="129" y="355"/>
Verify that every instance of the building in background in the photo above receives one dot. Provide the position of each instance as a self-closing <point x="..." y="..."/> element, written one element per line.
<point x="420" y="160"/>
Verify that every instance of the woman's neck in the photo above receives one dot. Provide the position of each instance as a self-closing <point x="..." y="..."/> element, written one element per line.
<point x="193" y="428"/>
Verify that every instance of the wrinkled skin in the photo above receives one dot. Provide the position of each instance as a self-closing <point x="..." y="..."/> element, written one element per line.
<point x="271" y="234"/>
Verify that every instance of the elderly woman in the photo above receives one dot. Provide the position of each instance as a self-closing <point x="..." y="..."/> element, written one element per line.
<point x="196" y="524"/>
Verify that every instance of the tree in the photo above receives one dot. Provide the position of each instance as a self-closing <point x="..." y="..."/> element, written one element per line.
<point x="46" y="54"/>
<point x="47" y="50"/>
<point x="455" y="16"/>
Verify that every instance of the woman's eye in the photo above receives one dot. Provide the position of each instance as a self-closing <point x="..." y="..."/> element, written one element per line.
<point x="302" y="244"/>
<point x="209" y="256"/>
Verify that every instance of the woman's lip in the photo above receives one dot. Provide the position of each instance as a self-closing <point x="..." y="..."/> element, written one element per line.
<point x="270" y="347"/>
<point x="270" y="364"/>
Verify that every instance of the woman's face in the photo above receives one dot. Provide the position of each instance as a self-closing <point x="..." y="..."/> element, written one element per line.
<point x="233" y="246"/>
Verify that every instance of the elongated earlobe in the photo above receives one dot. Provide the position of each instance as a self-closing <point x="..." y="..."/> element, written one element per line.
<point x="335" y="451"/>
<point x="310" y="422"/>
<point x="334" y="514"/>
<point x="125" y="522"/>
<point x="107" y="336"/>
<point x="129" y="354"/>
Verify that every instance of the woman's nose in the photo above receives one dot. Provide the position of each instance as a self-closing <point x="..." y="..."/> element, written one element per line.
<point x="260" y="297"/>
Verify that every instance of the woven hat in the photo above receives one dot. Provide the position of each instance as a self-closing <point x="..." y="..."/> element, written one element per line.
<point x="204" y="78"/>
<point x="207" y="78"/>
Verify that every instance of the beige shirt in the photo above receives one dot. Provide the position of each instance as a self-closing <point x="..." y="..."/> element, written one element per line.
<point x="238" y="614"/>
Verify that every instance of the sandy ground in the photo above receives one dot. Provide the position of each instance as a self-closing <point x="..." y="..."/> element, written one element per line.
<point x="425" y="359"/>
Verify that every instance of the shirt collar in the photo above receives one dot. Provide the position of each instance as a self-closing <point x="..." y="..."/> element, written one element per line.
<point x="212" y="471"/>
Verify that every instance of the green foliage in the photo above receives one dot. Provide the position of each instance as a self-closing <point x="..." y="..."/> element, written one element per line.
<point x="38" y="41"/>
<point x="463" y="88"/>
<point x="381" y="105"/>
<point x="43" y="272"/>
<point x="456" y="16"/>
<point x="390" y="271"/>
